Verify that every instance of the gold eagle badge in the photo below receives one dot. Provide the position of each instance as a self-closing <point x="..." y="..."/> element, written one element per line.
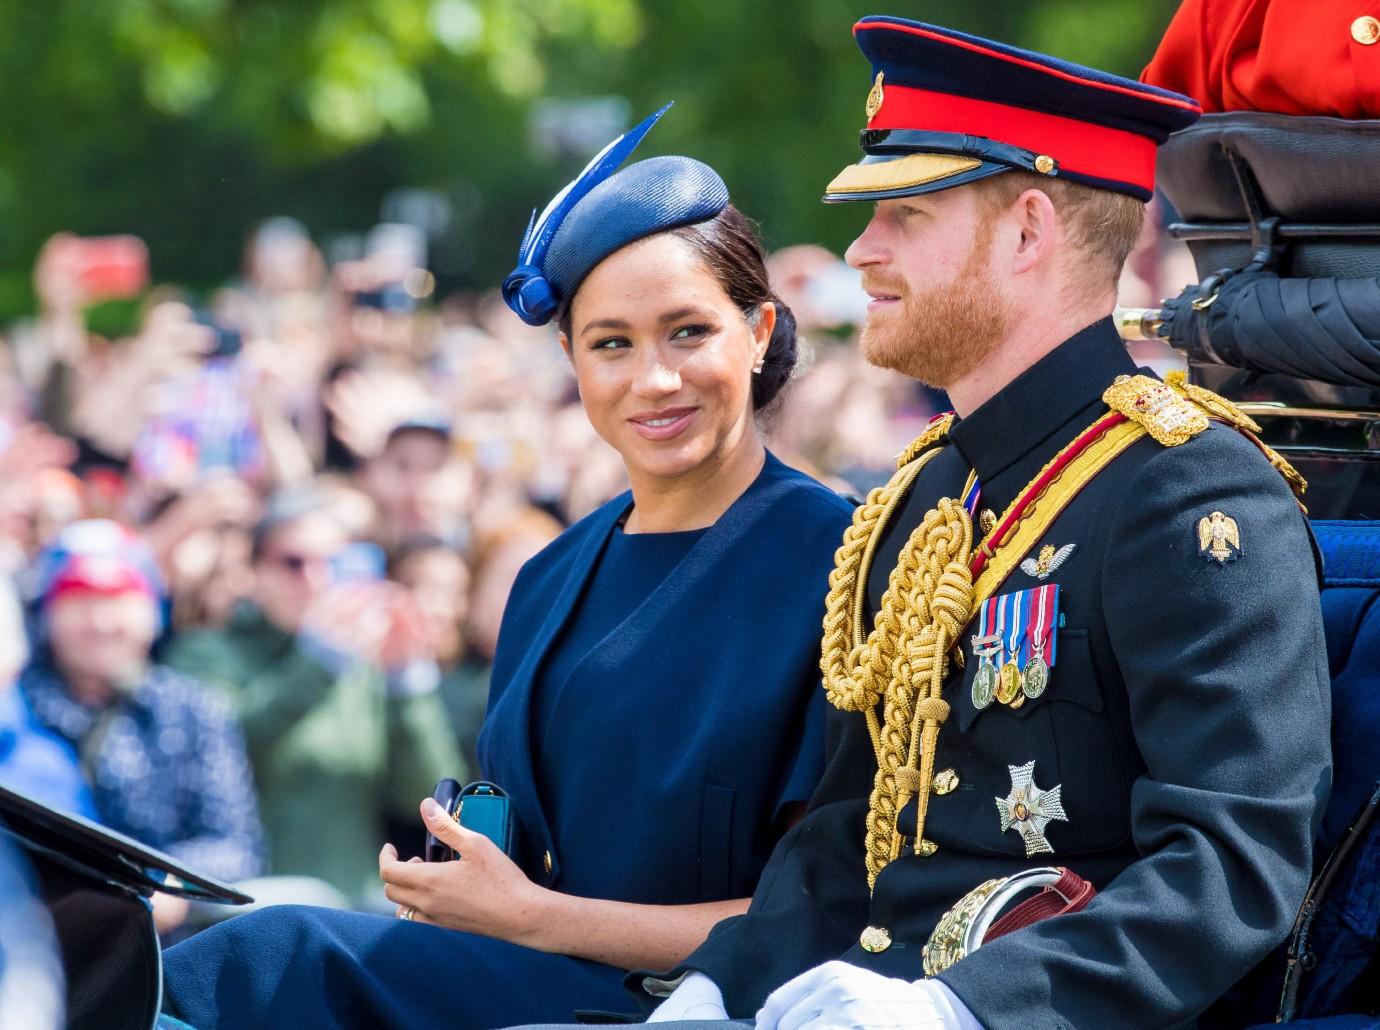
<point x="1219" y="538"/>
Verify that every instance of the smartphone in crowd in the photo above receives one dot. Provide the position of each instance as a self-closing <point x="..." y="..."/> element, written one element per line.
<point x="360" y="562"/>
<point x="228" y="340"/>
<point x="111" y="267"/>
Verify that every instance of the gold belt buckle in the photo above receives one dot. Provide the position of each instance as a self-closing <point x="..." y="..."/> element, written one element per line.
<point x="960" y="930"/>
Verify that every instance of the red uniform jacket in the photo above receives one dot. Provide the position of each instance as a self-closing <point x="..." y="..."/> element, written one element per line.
<point x="1307" y="57"/>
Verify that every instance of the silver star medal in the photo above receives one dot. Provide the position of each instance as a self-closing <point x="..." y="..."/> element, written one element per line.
<point x="1030" y="809"/>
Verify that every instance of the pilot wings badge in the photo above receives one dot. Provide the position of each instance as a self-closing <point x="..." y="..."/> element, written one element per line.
<point x="1219" y="538"/>
<point x="1047" y="561"/>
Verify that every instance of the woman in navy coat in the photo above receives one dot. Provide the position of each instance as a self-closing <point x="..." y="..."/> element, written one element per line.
<point x="655" y="715"/>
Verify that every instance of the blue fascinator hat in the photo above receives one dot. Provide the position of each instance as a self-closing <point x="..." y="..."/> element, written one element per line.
<point x="602" y="211"/>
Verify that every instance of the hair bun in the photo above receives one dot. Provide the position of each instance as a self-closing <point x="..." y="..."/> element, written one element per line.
<point x="779" y="363"/>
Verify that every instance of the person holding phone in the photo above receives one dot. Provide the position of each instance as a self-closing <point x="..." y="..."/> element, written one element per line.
<point x="326" y="667"/>
<point x="655" y="712"/>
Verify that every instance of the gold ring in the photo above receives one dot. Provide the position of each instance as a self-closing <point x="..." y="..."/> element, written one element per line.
<point x="407" y="914"/>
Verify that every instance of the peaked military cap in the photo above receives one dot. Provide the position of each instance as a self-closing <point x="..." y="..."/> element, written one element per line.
<point x="947" y="108"/>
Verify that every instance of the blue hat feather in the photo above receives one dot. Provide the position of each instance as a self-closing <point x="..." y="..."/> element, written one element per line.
<point x="601" y="212"/>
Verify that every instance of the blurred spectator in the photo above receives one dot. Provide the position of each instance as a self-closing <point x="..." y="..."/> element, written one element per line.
<point x="162" y="753"/>
<point x="280" y="260"/>
<point x="419" y="488"/>
<point x="335" y="684"/>
<point x="33" y="759"/>
<point x="37" y="495"/>
<point x="439" y="580"/>
<point x="503" y="549"/>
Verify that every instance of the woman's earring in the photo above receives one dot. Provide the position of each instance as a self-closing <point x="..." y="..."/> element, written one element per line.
<point x="757" y="368"/>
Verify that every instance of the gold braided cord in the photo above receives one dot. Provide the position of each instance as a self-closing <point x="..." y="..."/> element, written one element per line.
<point x="856" y="670"/>
<point x="934" y="567"/>
<point x="1218" y="407"/>
<point x="905" y="657"/>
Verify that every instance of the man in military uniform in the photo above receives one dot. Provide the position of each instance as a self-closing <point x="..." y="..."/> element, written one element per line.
<point x="1080" y="627"/>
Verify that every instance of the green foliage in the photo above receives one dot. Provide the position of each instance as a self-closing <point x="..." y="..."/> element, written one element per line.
<point x="187" y="121"/>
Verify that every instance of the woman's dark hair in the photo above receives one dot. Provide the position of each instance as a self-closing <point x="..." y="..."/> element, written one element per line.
<point x="729" y="248"/>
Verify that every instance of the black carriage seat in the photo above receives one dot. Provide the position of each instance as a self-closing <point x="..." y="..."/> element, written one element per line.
<point x="1317" y="176"/>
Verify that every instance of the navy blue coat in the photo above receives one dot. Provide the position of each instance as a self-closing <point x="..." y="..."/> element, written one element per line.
<point x="677" y="739"/>
<point x="709" y="735"/>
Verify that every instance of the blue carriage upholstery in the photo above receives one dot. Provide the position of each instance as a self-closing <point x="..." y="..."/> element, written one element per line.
<point x="1344" y="963"/>
<point x="1351" y="613"/>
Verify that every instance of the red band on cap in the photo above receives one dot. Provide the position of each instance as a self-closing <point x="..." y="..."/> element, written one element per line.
<point x="1092" y="150"/>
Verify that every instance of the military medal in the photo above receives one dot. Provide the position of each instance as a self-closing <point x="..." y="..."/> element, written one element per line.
<point x="1028" y="809"/>
<point x="1009" y="679"/>
<point x="1044" y="605"/>
<point x="985" y="647"/>
<point x="1035" y="677"/>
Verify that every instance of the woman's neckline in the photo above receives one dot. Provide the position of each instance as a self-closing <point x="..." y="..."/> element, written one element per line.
<point x="620" y="531"/>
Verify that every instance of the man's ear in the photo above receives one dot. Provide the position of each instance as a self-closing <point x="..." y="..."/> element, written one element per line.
<point x="1039" y="227"/>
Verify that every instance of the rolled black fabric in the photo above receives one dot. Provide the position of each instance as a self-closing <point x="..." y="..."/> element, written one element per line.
<point x="1319" y="328"/>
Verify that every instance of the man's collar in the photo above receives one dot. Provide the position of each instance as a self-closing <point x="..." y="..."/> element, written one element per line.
<point x="1042" y="399"/>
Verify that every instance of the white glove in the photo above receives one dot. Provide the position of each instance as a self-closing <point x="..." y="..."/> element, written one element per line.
<point x="697" y="997"/>
<point x="839" y="994"/>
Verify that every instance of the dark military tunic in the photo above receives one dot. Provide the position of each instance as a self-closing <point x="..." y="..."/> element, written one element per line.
<point x="1186" y="721"/>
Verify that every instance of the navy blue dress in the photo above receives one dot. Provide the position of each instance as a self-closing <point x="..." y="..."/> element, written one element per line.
<point x="655" y="704"/>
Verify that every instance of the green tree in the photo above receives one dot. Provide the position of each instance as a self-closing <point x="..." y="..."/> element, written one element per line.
<point x="187" y="121"/>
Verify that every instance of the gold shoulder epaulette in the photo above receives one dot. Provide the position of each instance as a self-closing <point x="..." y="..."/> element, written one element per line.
<point x="934" y="432"/>
<point x="1220" y="408"/>
<point x="1160" y="409"/>
<point x="1212" y="404"/>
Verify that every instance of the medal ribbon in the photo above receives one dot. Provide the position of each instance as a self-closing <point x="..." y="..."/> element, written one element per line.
<point x="1017" y="607"/>
<point x="986" y="642"/>
<point x="1044" y="603"/>
<point x="972" y="496"/>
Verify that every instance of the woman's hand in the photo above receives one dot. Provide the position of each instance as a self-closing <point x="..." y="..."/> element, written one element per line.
<point x="484" y="892"/>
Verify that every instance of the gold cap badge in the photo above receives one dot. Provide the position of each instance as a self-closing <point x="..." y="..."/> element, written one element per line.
<point x="874" y="98"/>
